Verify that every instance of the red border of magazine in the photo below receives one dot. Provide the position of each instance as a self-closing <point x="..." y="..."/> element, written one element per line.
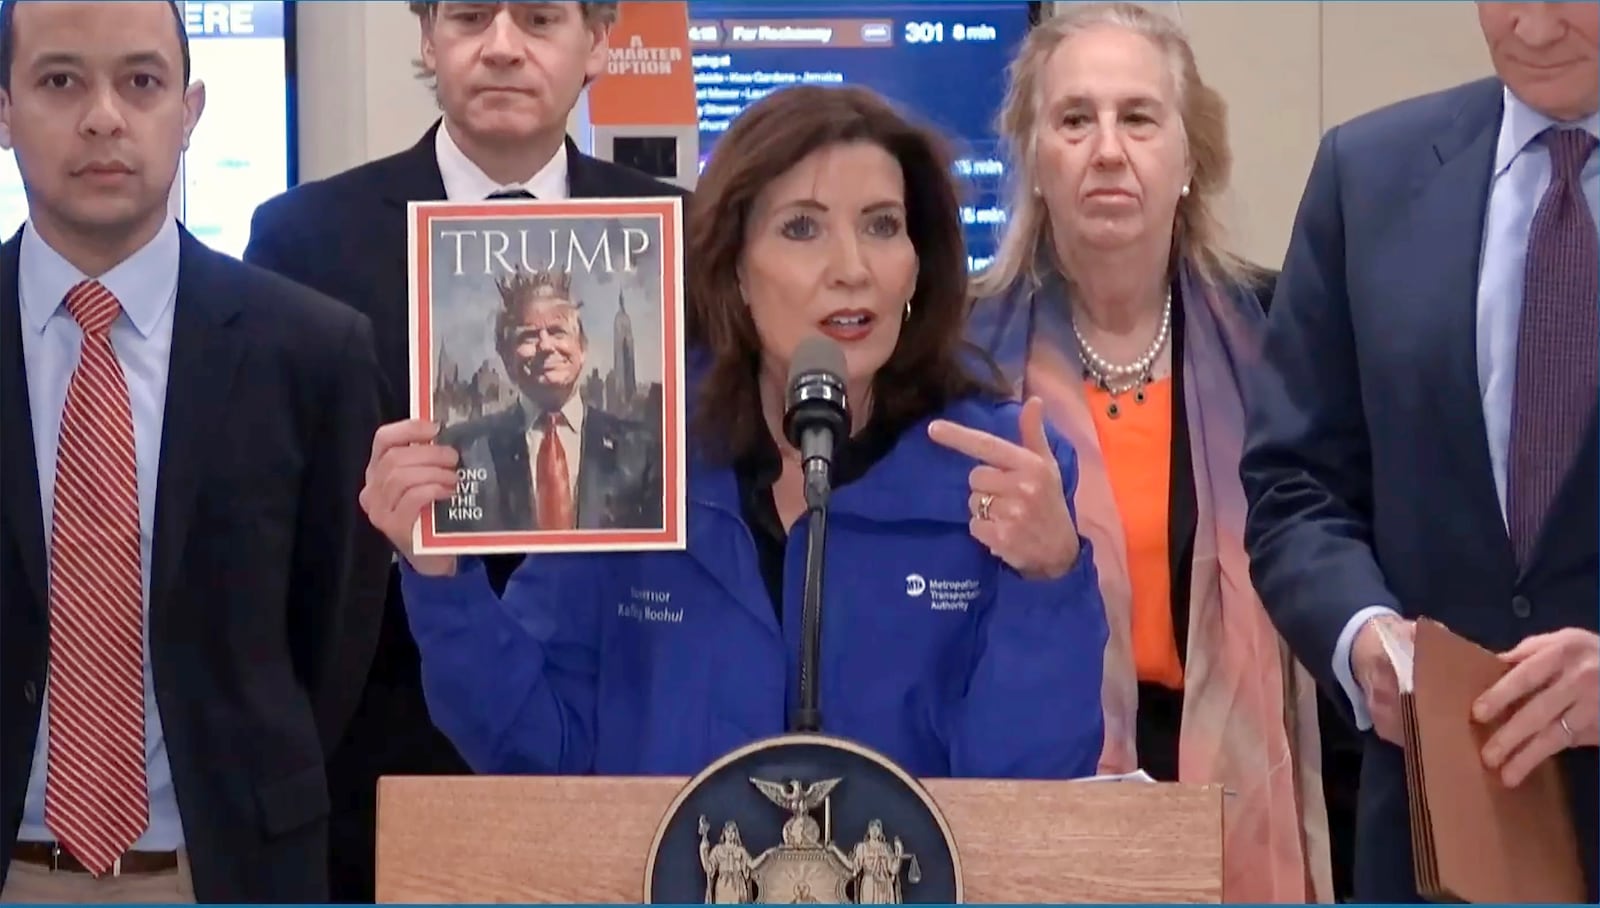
<point x="426" y="539"/>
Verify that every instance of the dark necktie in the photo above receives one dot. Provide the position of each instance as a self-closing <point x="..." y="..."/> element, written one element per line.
<point x="1557" y="356"/>
<point x="512" y="194"/>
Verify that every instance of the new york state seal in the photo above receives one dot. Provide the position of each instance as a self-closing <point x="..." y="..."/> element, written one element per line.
<point x="762" y="826"/>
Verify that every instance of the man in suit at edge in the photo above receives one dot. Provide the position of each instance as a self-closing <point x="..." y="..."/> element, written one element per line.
<point x="181" y="558"/>
<point x="551" y="461"/>
<point x="506" y="77"/>
<point x="1423" y="439"/>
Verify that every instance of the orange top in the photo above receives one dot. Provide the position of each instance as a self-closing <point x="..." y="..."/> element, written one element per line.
<point x="1137" y="446"/>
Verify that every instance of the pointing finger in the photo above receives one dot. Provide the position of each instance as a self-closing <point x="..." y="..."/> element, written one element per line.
<point x="977" y="445"/>
<point x="1032" y="429"/>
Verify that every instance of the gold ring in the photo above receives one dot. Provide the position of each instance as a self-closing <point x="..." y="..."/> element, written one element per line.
<point x="983" y="506"/>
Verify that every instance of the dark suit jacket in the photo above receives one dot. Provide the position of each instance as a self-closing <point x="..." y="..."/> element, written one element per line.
<point x="619" y="472"/>
<point x="346" y="236"/>
<point x="1367" y="465"/>
<point x="257" y="608"/>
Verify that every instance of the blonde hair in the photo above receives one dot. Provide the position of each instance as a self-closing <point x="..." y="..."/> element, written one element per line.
<point x="1197" y="229"/>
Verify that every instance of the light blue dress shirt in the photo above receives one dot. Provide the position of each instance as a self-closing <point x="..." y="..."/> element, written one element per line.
<point x="1521" y="176"/>
<point x="146" y="284"/>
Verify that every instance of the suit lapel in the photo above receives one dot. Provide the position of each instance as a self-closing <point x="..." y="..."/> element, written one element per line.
<point x="410" y="177"/>
<point x="19" y="481"/>
<point x="205" y="356"/>
<point x="385" y="283"/>
<point x="597" y="467"/>
<point x="508" y="448"/>
<point x="588" y="504"/>
<point x="583" y="179"/>
<point x="414" y="175"/>
<point x="1446" y="230"/>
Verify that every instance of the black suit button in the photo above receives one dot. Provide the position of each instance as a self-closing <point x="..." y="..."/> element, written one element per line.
<point x="30" y="692"/>
<point x="1521" y="607"/>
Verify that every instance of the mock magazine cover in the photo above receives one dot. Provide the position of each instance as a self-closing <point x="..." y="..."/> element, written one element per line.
<point x="546" y="342"/>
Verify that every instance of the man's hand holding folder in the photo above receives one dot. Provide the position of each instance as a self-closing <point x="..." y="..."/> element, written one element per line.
<point x="1476" y="838"/>
<point x="1548" y="701"/>
<point x="1374" y="662"/>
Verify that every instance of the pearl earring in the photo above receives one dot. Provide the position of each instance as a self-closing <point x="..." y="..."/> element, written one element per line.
<point x="1185" y="192"/>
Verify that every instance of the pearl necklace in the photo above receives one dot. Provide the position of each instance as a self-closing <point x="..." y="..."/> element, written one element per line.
<point x="1117" y="379"/>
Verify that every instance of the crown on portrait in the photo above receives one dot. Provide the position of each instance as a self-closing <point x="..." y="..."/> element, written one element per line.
<point x="525" y="285"/>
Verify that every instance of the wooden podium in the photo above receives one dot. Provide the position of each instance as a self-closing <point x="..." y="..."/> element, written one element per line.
<point x="530" y="839"/>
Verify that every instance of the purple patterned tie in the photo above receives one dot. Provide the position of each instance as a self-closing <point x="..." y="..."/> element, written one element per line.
<point x="1558" y="348"/>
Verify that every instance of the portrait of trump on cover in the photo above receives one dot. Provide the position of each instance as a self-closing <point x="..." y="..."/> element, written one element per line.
<point x="551" y="461"/>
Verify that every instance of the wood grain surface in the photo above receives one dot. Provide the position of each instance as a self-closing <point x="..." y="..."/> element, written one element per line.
<point x="487" y="840"/>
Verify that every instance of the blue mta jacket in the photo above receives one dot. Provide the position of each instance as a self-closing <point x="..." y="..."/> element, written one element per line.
<point x="934" y="652"/>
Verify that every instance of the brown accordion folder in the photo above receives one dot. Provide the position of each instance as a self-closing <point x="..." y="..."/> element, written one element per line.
<point x="1473" y="839"/>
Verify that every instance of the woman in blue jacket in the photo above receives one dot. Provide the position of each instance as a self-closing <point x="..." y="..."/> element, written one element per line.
<point x="963" y="626"/>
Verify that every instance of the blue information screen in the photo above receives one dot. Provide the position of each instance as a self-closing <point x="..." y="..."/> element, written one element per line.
<point x="944" y="63"/>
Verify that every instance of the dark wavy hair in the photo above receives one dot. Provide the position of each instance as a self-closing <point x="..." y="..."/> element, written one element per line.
<point x="927" y="369"/>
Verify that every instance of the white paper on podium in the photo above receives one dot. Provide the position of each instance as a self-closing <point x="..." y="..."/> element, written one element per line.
<point x="1138" y="775"/>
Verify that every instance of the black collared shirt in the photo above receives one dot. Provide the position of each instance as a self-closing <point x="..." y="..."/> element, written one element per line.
<point x="758" y="471"/>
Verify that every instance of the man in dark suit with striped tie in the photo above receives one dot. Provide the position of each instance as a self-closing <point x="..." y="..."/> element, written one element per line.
<point x="183" y="438"/>
<point x="507" y="77"/>
<point x="1423" y="441"/>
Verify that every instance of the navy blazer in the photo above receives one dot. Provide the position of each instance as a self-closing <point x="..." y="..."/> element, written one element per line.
<point x="1367" y="463"/>
<point x="261" y="611"/>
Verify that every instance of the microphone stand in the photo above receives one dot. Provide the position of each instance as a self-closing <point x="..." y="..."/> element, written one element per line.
<point x="808" y="717"/>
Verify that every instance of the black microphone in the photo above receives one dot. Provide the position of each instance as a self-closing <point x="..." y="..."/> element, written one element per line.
<point x="816" y="419"/>
<point x="816" y="414"/>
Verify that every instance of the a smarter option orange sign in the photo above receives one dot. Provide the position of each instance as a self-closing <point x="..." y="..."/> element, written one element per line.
<point x="649" y="79"/>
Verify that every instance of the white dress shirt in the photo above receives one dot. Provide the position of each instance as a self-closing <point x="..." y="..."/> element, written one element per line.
<point x="465" y="181"/>
<point x="1521" y="175"/>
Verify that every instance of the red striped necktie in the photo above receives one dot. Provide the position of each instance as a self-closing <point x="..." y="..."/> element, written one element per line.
<point x="96" y="800"/>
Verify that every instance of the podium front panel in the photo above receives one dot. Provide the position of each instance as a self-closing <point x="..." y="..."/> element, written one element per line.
<point x="531" y="839"/>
